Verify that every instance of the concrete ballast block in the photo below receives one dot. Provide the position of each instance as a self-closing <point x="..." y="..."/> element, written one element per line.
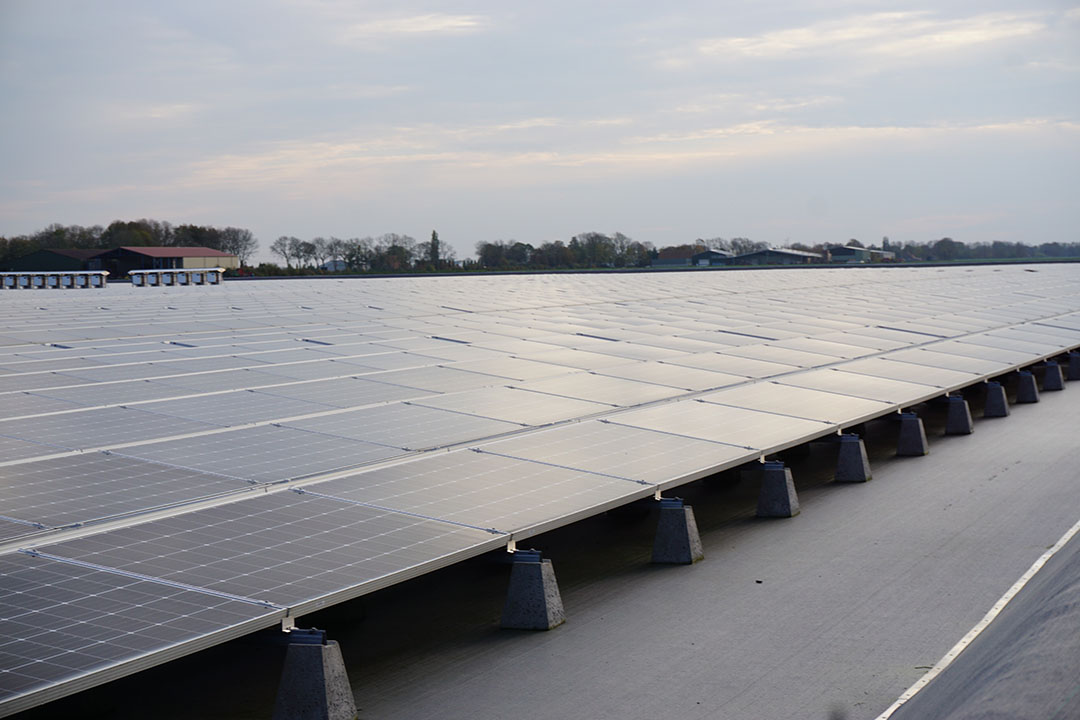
<point x="1053" y="379"/>
<point x="777" y="497"/>
<point x="533" y="601"/>
<point x="1027" y="391"/>
<point x="958" y="421"/>
<point x="912" y="442"/>
<point x="1074" y="365"/>
<point x="997" y="405"/>
<point x="677" y="540"/>
<point x="314" y="685"/>
<point x="852" y="464"/>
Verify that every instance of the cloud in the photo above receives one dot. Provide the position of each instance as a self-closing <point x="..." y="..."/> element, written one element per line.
<point x="431" y="155"/>
<point x="897" y="35"/>
<point x="740" y="102"/>
<point x="405" y="25"/>
<point x="160" y="112"/>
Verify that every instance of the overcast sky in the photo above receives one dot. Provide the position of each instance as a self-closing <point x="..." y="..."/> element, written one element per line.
<point x="809" y="121"/>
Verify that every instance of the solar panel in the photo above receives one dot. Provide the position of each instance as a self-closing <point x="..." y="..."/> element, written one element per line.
<point x="1025" y="347"/>
<point x="513" y="368"/>
<point x="19" y="404"/>
<point x="744" y="366"/>
<point x="583" y="346"/>
<point x="283" y="548"/>
<point x="720" y="423"/>
<point x="234" y="408"/>
<point x="787" y="356"/>
<point x="113" y="393"/>
<point x="632" y="453"/>
<point x="914" y="372"/>
<point x="109" y="373"/>
<point x="10" y="528"/>
<point x="581" y="359"/>
<point x="1040" y="333"/>
<point x="601" y="389"/>
<point x="983" y="353"/>
<point x="950" y="357"/>
<point x="436" y="378"/>
<point x="675" y="376"/>
<point x="345" y="392"/>
<point x="833" y="348"/>
<point x="88" y="487"/>
<point x="266" y="453"/>
<point x="484" y="490"/>
<point x="62" y="621"/>
<point x="98" y="428"/>
<point x="34" y="381"/>
<point x="406" y="426"/>
<point x="836" y="380"/>
<point x="513" y="405"/>
<point x="799" y="402"/>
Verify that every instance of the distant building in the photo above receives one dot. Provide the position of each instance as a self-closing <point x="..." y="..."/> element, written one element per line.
<point x="851" y="254"/>
<point x="58" y="260"/>
<point x="710" y="258"/>
<point x="777" y="256"/>
<point x="119" y="261"/>
<point x="690" y="256"/>
<point x="680" y="256"/>
<point x="334" y="266"/>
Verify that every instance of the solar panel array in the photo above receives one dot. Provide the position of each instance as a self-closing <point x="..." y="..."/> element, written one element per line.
<point x="179" y="466"/>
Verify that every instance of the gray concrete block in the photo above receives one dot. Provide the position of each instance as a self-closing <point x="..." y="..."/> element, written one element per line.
<point x="777" y="497"/>
<point x="1027" y="391"/>
<point x="912" y="442"/>
<point x="677" y="540"/>
<point x="1074" y="365"/>
<point x="1053" y="379"/>
<point x="533" y="601"/>
<point x="852" y="464"/>
<point x="958" y="421"/>
<point x="314" y="685"/>
<point x="997" y="404"/>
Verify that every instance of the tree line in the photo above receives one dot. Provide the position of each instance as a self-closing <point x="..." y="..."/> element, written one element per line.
<point x="586" y="250"/>
<point x="120" y="233"/>
<point x="949" y="250"/>
<point x="394" y="253"/>
<point x="384" y="254"/>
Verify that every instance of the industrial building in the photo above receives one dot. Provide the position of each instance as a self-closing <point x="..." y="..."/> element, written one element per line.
<point x="58" y="259"/>
<point x="180" y="474"/>
<point x="119" y="261"/>
<point x="777" y="256"/>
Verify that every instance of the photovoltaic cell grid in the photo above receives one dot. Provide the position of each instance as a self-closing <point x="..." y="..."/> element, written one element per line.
<point x="641" y="339"/>
<point x="59" y="621"/>
<point x="286" y="548"/>
<point x="483" y="490"/>
<point x="54" y="493"/>
<point x="265" y="454"/>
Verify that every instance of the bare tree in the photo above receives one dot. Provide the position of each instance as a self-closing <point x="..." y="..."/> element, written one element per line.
<point x="296" y="250"/>
<point x="320" y="250"/>
<point x="358" y="253"/>
<point x="240" y="242"/>
<point x="305" y="253"/>
<point x="335" y="248"/>
<point x="281" y="247"/>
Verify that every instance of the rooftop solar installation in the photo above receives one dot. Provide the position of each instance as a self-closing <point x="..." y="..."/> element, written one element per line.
<point x="180" y="466"/>
<point x="265" y="454"/>
<point x="62" y="622"/>
<point x="287" y="549"/>
<point x="79" y="489"/>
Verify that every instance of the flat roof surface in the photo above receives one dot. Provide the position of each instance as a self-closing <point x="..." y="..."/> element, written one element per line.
<point x="331" y="438"/>
<point x="831" y="614"/>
